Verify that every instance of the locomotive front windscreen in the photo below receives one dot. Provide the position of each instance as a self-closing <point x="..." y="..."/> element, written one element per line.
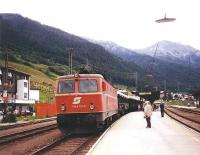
<point x="66" y="86"/>
<point x="86" y="86"/>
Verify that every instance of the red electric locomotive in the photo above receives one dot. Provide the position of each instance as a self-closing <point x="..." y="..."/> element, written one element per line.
<point x="85" y="103"/>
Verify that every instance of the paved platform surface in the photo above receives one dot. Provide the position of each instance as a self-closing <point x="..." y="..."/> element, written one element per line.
<point x="129" y="136"/>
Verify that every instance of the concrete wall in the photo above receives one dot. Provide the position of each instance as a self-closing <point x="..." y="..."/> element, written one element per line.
<point x="34" y="95"/>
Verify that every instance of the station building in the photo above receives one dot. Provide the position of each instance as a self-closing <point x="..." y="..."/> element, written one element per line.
<point x="15" y="90"/>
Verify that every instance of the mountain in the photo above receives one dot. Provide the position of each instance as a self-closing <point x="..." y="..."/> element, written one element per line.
<point x="165" y="65"/>
<point x="29" y="42"/>
<point x="46" y="48"/>
<point x="122" y="52"/>
<point x="174" y="52"/>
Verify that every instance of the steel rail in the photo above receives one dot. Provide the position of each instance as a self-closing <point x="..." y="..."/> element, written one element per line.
<point x="16" y="136"/>
<point x="25" y="123"/>
<point x="182" y="122"/>
<point x="188" y="110"/>
<point x="75" y="152"/>
<point x="184" y="116"/>
<point x="51" y="145"/>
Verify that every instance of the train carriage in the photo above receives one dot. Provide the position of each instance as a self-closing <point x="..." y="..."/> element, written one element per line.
<point x="128" y="103"/>
<point x="85" y="103"/>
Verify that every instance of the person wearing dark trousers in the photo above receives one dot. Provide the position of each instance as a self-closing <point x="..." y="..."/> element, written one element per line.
<point x="162" y="107"/>
<point x="147" y="113"/>
<point x="148" y="119"/>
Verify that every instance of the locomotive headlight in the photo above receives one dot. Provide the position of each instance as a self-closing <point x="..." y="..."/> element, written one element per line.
<point x="62" y="107"/>
<point x="92" y="106"/>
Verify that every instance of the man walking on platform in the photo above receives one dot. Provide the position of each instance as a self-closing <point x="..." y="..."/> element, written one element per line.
<point x="147" y="113"/>
<point x="162" y="107"/>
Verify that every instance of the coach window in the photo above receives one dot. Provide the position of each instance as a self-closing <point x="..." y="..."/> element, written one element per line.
<point x="66" y="86"/>
<point x="86" y="86"/>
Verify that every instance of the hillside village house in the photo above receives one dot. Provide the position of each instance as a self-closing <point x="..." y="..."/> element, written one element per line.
<point x="15" y="90"/>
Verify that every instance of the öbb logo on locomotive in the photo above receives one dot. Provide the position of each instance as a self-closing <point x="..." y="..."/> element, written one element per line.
<point x="77" y="100"/>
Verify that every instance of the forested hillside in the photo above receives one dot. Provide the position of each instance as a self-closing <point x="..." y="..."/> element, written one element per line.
<point x="29" y="42"/>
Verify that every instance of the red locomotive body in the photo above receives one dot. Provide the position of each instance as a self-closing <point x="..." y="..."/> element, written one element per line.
<point x="84" y="102"/>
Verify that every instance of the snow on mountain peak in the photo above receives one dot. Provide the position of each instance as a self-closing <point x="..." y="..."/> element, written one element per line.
<point x="167" y="48"/>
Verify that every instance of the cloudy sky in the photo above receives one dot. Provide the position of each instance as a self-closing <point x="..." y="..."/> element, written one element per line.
<point x="129" y="23"/>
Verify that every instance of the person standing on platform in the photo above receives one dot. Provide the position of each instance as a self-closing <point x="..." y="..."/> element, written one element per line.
<point x="162" y="107"/>
<point x="147" y="113"/>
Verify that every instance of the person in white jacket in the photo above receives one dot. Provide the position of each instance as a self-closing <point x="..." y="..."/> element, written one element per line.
<point x="147" y="113"/>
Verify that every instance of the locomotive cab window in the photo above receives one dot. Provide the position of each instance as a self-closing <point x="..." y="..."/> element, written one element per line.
<point x="86" y="86"/>
<point x="66" y="86"/>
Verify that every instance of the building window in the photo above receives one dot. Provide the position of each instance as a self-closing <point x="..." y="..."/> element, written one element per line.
<point x="25" y="84"/>
<point x="25" y="95"/>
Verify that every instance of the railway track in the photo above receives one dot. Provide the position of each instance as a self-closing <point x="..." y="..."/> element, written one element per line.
<point x="194" y="111"/>
<point x="26" y="123"/>
<point x="187" y="117"/>
<point x="24" y="134"/>
<point x="69" y="145"/>
<point x="186" y="114"/>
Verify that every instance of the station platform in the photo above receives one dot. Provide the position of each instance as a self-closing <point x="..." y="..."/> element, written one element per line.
<point x="129" y="136"/>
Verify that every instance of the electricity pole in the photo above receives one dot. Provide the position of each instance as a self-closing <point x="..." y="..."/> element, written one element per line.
<point x="165" y="85"/>
<point x="136" y="81"/>
<point x="5" y="91"/>
<point x="87" y="63"/>
<point x="6" y="68"/>
<point x="71" y="50"/>
<point x="177" y="86"/>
